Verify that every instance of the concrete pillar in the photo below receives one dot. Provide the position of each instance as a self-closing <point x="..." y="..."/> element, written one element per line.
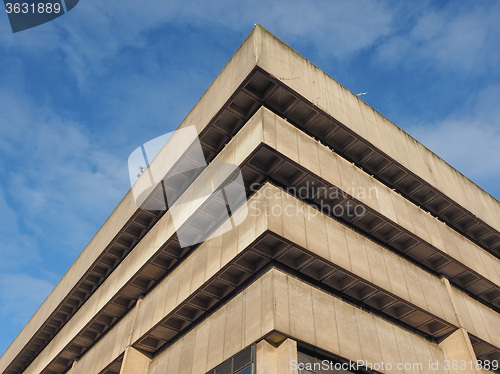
<point x="134" y="322"/>
<point x="457" y="347"/>
<point x="276" y="360"/>
<point x="458" y="350"/>
<point x="134" y="362"/>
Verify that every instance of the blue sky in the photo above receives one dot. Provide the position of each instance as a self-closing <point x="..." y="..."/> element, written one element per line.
<point x="80" y="93"/>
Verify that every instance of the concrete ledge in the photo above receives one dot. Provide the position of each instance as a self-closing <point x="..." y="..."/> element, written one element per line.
<point x="117" y="282"/>
<point x="120" y="216"/>
<point x="249" y="316"/>
<point x="275" y="299"/>
<point x="243" y="248"/>
<point x="408" y="293"/>
<point x="281" y="61"/>
<point x="269" y="129"/>
<point x="422" y="231"/>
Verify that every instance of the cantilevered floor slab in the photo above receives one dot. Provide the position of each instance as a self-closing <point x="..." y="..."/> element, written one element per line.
<point x="266" y="128"/>
<point x="341" y="261"/>
<point x="273" y="304"/>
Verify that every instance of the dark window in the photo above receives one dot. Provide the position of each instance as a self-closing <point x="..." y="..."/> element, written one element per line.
<point x="315" y="361"/>
<point x="241" y="363"/>
<point x="245" y="370"/>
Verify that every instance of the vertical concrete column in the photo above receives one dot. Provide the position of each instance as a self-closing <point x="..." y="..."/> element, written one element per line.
<point x="457" y="347"/>
<point x="276" y="360"/>
<point x="134" y="322"/>
<point x="134" y="362"/>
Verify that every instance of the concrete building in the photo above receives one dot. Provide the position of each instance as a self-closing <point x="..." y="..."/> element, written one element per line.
<point x="356" y="244"/>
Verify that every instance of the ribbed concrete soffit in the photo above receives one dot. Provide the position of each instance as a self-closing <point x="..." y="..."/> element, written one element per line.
<point x="257" y="312"/>
<point x="273" y="130"/>
<point x="260" y="308"/>
<point x="234" y="114"/>
<point x="251" y="149"/>
<point x="243" y="267"/>
<point x="258" y="162"/>
<point x="264" y="90"/>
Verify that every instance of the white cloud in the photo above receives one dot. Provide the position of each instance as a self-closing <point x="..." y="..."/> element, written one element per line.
<point x="468" y="139"/>
<point x="470" y="145"/>
<point x="63" y="182"/>
<point x="96" y="31"/>
<point x="337" y="28"/>
<point x="460" y="36"/>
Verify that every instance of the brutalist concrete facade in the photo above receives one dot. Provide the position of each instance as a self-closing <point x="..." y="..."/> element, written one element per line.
<point x="356" y="245"/>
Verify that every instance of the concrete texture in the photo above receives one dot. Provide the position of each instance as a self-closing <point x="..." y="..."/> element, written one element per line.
<point x="348" y="250"/>
<point x="134" y="362"/>
<point x="276" y="360"/>
<point x="457" y="348"/>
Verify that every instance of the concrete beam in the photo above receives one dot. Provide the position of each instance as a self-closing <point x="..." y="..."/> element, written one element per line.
<point x="134" y="362"/>
<point x="459" y="353"/>
<point x="281" y="61"/>
<point x="266" y="128"/>
<point x="276" y="360"/>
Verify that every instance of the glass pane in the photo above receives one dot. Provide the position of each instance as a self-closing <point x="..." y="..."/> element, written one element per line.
<point x="245" y="370"/>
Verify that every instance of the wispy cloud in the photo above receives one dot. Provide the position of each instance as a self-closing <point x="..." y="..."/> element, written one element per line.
<point x="53" y="169"/>
<point x="99" y="31"/>
<point x="16" y="247"/>
<point x="58" y="185"/>
<point x="468" y="139"/>
<point x="459" y="36"/>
